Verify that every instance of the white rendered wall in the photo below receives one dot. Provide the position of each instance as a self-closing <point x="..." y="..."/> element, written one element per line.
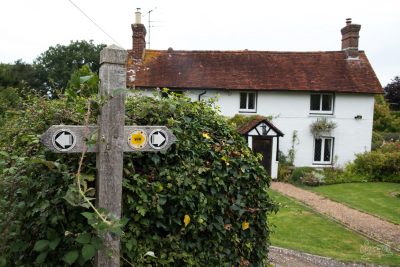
<point x="290" y="112"/>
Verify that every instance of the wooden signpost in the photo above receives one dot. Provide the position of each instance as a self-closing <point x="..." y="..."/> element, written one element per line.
<point x="113" y="139"/>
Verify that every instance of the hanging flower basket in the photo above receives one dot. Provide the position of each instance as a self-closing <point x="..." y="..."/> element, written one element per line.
<point x="322" y="126"/>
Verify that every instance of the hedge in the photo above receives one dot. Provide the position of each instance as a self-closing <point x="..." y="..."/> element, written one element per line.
<point x="194" y="205"/>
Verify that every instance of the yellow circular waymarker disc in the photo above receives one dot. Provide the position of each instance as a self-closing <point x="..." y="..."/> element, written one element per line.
<point x="137" y="139"/>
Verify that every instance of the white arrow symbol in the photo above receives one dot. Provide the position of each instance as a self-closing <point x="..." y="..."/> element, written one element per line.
<point x="64" y="140"/>
<point x="157" y="139"/>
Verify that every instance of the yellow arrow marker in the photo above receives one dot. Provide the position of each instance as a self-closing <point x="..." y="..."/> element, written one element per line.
<point x="137" y="139"/>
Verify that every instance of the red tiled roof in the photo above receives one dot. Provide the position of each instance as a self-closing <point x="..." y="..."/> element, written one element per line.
<point x="256" y="70"/>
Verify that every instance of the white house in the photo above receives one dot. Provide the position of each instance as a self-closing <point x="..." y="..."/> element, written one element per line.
<point x="294" y="88"/>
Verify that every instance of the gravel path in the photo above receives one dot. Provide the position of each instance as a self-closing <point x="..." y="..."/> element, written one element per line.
<point x="281" y="257"/>
<point x="369" y="225"/>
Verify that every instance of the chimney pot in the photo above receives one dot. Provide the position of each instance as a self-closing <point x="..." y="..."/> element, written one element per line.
<point x="138" y="16"/>
<point x="348" y="21"/>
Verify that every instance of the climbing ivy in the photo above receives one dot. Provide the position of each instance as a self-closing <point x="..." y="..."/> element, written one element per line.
<point x="201" y="203"/>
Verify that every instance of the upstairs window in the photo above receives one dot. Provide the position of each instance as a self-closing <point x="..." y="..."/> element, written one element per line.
<point x="323" y="150"/>
<point x="321" y="103"/>
<point x="248" y="102"/>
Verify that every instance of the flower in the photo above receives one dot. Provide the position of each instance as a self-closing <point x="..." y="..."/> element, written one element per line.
<point x="186" y="220"/>
<point x="245" y="225"/>
<point x="206" y="136"/>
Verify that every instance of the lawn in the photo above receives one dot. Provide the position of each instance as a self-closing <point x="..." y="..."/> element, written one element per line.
<point x="299" y="228"/>
<point x="378" y="199"/>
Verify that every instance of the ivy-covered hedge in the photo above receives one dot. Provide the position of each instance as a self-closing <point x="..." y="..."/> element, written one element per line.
<point x="202" y="203"/>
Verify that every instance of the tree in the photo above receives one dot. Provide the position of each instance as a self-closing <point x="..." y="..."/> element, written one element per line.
<point x="55" y="66"/>
<point x="17" y="75"/>
<point x="392" y="92"/>
<point x="384" y="121"/>
<point x="83" y="82"/>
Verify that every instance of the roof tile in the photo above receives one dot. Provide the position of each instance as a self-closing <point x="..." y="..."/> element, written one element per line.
<point x="256" y="70"/>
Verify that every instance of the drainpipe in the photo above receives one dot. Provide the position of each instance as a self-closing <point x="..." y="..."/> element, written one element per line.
<point x="203" y="93"/>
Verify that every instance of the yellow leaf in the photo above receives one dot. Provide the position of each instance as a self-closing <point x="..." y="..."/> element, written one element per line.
<point x="245" y="225"/>
<point x="206" y="136"/>
<point x="186" y="220"/>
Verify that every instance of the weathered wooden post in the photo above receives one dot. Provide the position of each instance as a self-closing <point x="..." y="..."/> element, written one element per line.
<point x="111" y="145"/>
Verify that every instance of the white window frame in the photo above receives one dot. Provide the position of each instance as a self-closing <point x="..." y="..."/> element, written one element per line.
<point x="322" y="152"/>
<point x="247" y="102"/>
<point x="320" y="111"/>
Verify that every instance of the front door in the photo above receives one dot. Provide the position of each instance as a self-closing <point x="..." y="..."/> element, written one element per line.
<point x="263" y="146"/>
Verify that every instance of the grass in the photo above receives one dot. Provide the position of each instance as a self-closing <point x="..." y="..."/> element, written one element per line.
<point x="299" y="228"/>
<point x="378" y="199"/>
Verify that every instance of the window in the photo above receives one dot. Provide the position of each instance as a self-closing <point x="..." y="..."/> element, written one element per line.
<point x="247" y="102"/>
<point x="323" y="150"/>
<point x="321" y="103"/>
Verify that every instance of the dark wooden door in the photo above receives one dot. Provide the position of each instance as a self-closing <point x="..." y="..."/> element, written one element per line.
<point x="263" y="146"/>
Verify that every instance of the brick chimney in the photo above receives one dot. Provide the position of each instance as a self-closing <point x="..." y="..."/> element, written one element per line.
<point x="350" y="35"/>
<point x="138" y="36"/>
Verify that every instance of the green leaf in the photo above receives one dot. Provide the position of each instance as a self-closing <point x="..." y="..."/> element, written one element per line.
<point x="54" y="243"/>
<point x="88" y="215"/>
<point x="49" y="164"/>
<point x="84" y="79"/>
<point x="162" y="200"/>
<point x="51" y="234"/>
<point x="41" y="245"/>
<point x="84" y="238"/>
<point x="71" y="256"/>
<point x="88" y="251"/>
<point x="88" y="177"/>
<point x="41" y="258"/>
<point x="3" y="262"/>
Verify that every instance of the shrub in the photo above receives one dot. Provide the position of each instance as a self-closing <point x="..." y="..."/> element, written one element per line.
<point x="377" y="140"/>
<point x="312" y="178"/>
<point x="284" y="173"/>
<point x="382" y="164"/>
<point x="384" y="121"/>
<point x="194" y="205"/>
<point x="334" y="175"/>
<point x="37" y="225"/>
<point x="391" y="137"/>
<point x="299" y="172"/>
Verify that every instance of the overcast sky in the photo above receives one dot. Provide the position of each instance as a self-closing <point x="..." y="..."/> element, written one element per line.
<point x="29" y="27"/>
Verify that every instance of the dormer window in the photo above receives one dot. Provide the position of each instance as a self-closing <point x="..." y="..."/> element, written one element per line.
<point x="321" y="103"/>
<point x="248" y="102"/>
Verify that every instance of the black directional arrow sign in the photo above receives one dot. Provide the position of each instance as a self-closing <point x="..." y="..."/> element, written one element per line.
<point x="69" y="138"/>
<point x="64" y="140"/>
<point x="158" y="139"/>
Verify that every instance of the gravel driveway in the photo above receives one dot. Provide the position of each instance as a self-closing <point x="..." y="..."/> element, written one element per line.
<point x="369" y="225"/>
<point x="281" y="257"/>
